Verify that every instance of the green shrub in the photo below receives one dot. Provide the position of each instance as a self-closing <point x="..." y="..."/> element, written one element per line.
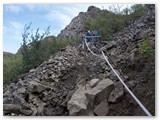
<point x="109" y="22"/>
<point x="146" y="49"/>
<point x="11" y="67"/>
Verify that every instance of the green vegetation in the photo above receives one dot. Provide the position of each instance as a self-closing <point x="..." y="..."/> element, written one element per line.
<point x="36" y="48"/>
<point x="146" y="49"/>
<point x="110" y="22"/>
<point x="11" y="66"/>
<point x="31" y="47"/>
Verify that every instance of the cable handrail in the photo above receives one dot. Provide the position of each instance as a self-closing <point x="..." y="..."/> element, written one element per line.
<point x="92" y="36"/>
<point x="121" y="80"/>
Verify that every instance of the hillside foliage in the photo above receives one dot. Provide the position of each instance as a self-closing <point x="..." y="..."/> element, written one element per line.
<point x="111" y="22"/>
<point x="37" y="47"/>
<point x="146" y="49"/>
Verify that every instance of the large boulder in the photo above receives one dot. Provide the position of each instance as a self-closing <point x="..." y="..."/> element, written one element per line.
<point x="78" y="104"/>
<point x="87" y="98"/>
<point x="99" y="92"/>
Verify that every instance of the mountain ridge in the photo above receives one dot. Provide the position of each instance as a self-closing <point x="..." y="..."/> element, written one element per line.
<point x="77" y="23"/>
<point x="57" y="86"/>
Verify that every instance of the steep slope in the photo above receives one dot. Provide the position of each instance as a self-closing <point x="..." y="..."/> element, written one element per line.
<point x="43" y="90"/>
<point x="75" y="82"/>
<point x="7" y="56"/>
<point x="124" y="50"/>
<point x="77" y="23"/>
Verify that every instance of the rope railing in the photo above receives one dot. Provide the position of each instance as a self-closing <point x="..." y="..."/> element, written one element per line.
<point x="89" y="48"/>
<point x="92" y="36"/>
<point x="121" y="80"/>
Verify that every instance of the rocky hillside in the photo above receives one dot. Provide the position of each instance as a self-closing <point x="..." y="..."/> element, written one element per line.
<point x="75" y="82"/>
<point x="77" y="23"/>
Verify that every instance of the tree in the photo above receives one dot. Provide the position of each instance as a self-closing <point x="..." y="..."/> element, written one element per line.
<point x="137" y="7"/>
<point x="31" y="45"/>
<point x="116" y="8"/>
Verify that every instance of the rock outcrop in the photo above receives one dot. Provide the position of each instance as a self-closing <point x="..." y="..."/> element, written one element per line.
<point x="87" y="100"/>
<point x="43" y="90"/>
<point x="48" y="89"/>
<point x="77" y="24"/>
<point x="75" y="82"/>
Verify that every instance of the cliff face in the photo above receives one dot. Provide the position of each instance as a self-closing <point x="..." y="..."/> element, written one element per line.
<point x="77" y="23"/>
<point x="75" y="82"/>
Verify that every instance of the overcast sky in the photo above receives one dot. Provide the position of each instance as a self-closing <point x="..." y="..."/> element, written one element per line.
<point x="15" y="16"/>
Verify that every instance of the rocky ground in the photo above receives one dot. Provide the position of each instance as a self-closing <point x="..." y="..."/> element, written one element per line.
<point x="75" y="82"/>
<point x="77" y="23"/>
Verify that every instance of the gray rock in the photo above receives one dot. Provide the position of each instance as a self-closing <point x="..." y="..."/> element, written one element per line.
<point x="78" y="102"/>
<point x="34" y="110"/>
<point x="113" y="74"/>
<point x="7" y="93"/>
<point x="100" y="92"/>
<point x="117" y="94"/>
<point x="11" y="108"/>
<point x="40" y="111"/>
<point x="132" y="84"/>
<point x="77" y="23"/>
<point x="11" y="100"/>
<point x="60" y="73"/>
<point x="102" y="109"/>
<point x="68" y="97"/>
<point x="26" y="112"/>
<point x="110" y="45"/>
<point x="48" y="111"/>
<point x="36" y="87"/>
<point x="94" y="82"/>
<point x="22" y="90"/>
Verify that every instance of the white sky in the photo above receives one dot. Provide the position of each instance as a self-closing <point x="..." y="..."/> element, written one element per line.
<point x="41" y="15"/>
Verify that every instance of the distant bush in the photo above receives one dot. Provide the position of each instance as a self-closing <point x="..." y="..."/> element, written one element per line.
<point x="11" y="67"/>
<point x="30" y="56"/>
<point x="146" y="49"/>
<point x="36" y="47"/>
<point x="109" y="22"/>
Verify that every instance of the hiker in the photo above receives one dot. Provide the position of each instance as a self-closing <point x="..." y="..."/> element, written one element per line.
<point x="92" y="39"/>
<point x="88" y="34"/>
<point x="95" y="35"/>
<point x="83" y="37"/>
